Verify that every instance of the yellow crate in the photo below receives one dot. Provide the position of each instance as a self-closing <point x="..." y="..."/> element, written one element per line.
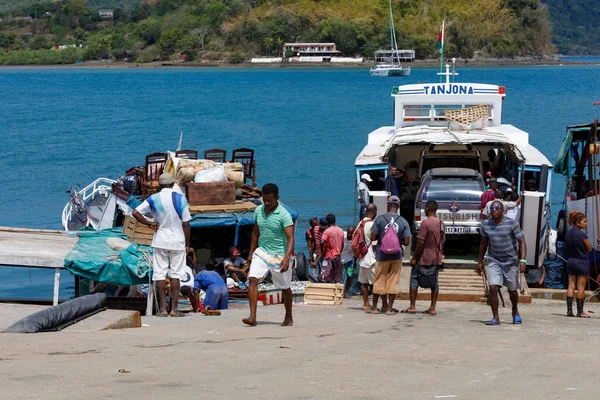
<point x="324" y="294"/>
<point x="136" y="232"/>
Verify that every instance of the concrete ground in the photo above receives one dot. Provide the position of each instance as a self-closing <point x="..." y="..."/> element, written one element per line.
<point x="335" y="352"/>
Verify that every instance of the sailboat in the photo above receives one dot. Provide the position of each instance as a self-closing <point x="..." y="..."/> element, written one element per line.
<point x="393" y="68"/>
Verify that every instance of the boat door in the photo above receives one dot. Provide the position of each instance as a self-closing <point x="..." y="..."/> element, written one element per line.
<point x="535" y="211"/>
<point x="378" y="191"/>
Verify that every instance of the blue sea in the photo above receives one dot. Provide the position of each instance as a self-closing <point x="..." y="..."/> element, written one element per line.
<point x="62" y="126"/>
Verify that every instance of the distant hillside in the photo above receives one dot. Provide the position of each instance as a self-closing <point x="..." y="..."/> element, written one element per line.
<point x="575" y="25"/>
<point x="7" y="6"/>
<point x="235" y="30"/>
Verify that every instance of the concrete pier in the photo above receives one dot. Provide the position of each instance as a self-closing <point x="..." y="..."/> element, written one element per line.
<point x="335" y="352"/>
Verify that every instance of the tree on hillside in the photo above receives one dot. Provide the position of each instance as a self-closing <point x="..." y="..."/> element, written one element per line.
<point x="268" y="42"/>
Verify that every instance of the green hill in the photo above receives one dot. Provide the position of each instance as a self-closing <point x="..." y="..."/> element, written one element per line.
<point x="575" y="28"/>
<point x="234" y="30"/>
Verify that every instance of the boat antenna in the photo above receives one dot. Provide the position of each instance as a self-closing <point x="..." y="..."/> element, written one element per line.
<point x="453" y="72"/>
<point x="447" y="74"/>
<point x="180" y="141"/>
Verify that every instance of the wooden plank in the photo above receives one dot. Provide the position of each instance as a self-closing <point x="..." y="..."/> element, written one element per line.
<point x="320" y="302"/>
<point x="34" y="248"/>
<point x="319" y="291"/>
<point x="318" y="297"/>
<point x="325" y="285"/>
<point x="223" y="208"/>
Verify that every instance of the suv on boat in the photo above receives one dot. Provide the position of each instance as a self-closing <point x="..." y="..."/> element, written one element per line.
<point x="458" y="194"/>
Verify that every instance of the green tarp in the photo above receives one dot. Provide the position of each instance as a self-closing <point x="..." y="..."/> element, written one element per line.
<point x="92" y="258"/>
<point x="561" y="166"/>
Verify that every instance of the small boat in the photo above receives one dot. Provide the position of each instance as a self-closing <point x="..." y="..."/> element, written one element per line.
<point x="86" y="206"/>
<point x="393" y="68"/>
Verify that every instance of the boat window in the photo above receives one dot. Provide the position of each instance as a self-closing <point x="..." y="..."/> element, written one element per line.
<point x="454" y="189"/>
<point x="417" y="111"/>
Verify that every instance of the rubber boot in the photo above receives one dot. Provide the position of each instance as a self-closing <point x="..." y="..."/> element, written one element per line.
<point x="579" y="307"/>
<point x="570" y="307"/>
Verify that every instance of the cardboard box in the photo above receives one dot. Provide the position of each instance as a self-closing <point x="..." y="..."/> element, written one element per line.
<point x="136" y="232"/>
<point x="210" y="193"/>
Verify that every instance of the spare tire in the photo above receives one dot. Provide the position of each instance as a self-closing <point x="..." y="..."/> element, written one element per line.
<point x="301" y="267"/>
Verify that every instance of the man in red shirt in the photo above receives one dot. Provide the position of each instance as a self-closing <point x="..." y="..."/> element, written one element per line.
<point x="427" y="257"/>
<point x="332" y="243"/>
<point x="489" y="194"/>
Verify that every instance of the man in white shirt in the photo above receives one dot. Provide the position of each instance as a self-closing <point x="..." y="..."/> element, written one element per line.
<point x="508" y="205"/>
<point x="363" y="194"/>
<point x="171" y="216"/>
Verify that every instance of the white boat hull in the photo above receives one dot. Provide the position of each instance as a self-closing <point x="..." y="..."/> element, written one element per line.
<point x="395" y="71"/>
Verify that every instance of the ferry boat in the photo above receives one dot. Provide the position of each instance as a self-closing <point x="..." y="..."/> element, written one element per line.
<point x="422" y="139"/>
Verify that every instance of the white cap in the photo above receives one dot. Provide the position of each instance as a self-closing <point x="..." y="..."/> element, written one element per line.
<point x="366" y="177"/>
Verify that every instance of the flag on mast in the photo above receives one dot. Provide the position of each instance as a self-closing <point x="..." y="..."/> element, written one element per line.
<point x="440" y="40"/>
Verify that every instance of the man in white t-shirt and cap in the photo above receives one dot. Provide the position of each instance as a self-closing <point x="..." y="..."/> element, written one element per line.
<point x="363" y="194"/>
<point x="170" y="222"/>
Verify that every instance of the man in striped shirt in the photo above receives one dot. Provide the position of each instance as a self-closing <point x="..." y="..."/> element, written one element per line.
<point x="507" y="252"/>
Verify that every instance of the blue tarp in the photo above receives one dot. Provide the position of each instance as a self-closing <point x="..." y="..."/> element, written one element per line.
<point x="92" y="258"/>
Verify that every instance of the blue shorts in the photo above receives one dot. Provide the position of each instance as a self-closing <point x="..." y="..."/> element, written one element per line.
<point x="503" y="275"/>
<point x="217" y="297"/>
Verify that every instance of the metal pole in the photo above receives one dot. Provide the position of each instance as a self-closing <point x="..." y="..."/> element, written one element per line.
<point x="56" y="286"/>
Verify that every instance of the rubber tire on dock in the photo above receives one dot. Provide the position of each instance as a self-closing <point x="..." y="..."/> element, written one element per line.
<point x="301" y="267"/>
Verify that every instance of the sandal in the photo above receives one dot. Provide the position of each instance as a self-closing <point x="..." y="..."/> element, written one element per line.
<point x="162" y="314"/>
<point x="517" y="320"/>
<point x="371" y="311"/>
<point x="209" y="311"/>
<point x="407" y="311"/>
<point x="178" y="314"/>
<point x="429" y="312"/>
<point x="390" y="312"/>
<point x="583" y="315"/>
<point x="492" y="321"/>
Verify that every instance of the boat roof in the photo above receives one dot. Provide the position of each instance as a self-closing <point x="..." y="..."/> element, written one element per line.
<point x="384" y="138"/>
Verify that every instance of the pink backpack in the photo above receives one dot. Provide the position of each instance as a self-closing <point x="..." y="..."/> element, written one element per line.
<point x="390" y="243"/>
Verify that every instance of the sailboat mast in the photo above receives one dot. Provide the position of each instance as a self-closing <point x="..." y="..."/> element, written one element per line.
<point x="393" y="42"/>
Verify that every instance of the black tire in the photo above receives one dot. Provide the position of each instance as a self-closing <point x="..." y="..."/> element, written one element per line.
<point x="561" y="228"/>
<point x="301" y="267"/>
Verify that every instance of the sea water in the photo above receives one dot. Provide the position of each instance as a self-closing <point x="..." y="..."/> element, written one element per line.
<point x="63" y="126"/>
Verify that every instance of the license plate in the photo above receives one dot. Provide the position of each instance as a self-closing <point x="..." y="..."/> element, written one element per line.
<point x="460" y="229"/>
<point x="447" y="216"/>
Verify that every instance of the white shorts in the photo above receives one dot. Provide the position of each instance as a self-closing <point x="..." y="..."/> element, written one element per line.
<point x="366" y="275"/>
<point x="168" y="261"/>
<point x="263" y="263"/>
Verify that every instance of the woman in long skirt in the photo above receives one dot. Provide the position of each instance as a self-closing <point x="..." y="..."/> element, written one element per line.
<point x="577" y="247"/>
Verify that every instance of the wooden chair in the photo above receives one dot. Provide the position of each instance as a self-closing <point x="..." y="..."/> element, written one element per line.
<point x="155" y="165"/>
<point x="218" y="155"/>
<point x="189" y="154"/>
<point x="246" y="158"/>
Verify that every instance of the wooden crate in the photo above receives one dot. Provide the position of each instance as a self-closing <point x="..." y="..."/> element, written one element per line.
<point x="210" y="193"/>
<point x="330" y="294"/>
<point x="136" y="232"/>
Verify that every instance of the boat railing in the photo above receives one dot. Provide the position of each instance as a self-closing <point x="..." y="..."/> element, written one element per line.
<point x="100" y="186"/>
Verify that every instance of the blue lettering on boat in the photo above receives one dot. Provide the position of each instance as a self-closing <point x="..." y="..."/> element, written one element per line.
<point x="448" y="89"/>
